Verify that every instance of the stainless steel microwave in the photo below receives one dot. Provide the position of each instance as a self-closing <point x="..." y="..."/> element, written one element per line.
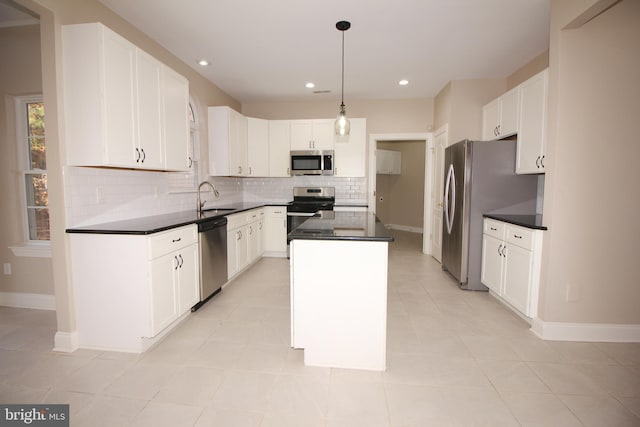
<point x="312" y="162"/>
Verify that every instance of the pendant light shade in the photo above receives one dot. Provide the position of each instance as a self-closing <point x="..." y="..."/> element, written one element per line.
<point x="342" y="125"/>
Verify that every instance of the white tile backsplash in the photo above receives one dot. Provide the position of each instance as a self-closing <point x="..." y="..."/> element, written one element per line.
<point x="97" y="195"/>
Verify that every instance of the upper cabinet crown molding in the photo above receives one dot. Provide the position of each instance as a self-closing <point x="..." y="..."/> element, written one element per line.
<point x="122" y="107"/>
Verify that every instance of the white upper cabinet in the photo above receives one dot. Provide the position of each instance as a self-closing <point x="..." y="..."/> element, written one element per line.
<point x="120" y="104"/>
<point x="175" y="123"/>
<point x="227" y="142"/>
<point x="251" y="147"/>
<point x="521" y="111"/>
<point x="388" y="162"/>
<point x="351" y="151"/>
<point x="500" y="116"/>
<point x="149" y="95"/>
<point x="312" y="134"/>
<point x="257" y="147"/>
<point x="279" y="148"/>
<point x="533" y="124"/>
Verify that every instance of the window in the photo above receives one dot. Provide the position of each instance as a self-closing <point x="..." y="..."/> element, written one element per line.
<point x="30" y="133"/>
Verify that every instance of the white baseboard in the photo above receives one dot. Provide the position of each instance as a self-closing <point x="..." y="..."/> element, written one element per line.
<point x="24" y="300"/>
<point x="66" y="342"/>
<point x="405" y="228"/>
<point x="588" y="332"/>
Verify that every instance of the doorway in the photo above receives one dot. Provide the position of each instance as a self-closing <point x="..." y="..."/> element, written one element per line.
<point x="388" y="181"/>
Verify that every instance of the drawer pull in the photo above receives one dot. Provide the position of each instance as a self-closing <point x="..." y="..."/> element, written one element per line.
<point x="517" y="237"/>
<point x="176" y="240"/>
<point x="493" y="229"/>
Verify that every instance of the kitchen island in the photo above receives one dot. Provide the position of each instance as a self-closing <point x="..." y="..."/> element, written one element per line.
<point x="339" y="290"/>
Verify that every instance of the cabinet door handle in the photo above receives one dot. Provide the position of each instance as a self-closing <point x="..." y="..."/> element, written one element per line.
<point x="504" y="251"/>
<point x="190" y="162"/>
<point x="250" y="170"/>
<point x="499" y="129"/>
<point x="176" y="240"/>
<point x="500" y="249"/>
<point x="239" y="234"/>
<point x="288" y="171"/>
<point x="260" y="225"/>
<point x="144" y="155"/>
<point x="177" y="263"/>
<point x="538" y="162"/>
<point x="250" y="230"/>
<point x="542" y="161"/>
<point x="137" y="156"/>
<point x="181" y="260"/>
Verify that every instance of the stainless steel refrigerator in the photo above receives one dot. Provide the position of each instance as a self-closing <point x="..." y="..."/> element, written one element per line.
<point x="479" y="178"/>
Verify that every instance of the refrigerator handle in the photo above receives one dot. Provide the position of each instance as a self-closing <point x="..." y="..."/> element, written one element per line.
<point x="450" y="187"/>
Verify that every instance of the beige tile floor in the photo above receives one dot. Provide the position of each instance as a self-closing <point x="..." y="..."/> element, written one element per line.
<point x="455" y="358"/>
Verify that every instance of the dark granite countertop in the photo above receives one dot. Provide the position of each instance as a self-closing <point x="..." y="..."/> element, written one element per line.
<point x="338" y="225"/>
<point x="529" y="221"/>
<point x="156" y="223"/>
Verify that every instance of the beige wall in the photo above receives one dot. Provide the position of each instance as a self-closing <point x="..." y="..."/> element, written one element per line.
<point x="54" y="14"/>
<point x="20" y="74"/>
<point x="383" y="116"/>
<point x="403" y="194"/>
<point x="591" y="193"/>
<point x="460" y="104"/>
<point x="529" y="69"/>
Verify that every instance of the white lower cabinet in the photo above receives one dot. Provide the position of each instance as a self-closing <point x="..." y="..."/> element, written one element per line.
<point x="255" y="230"/>
<point x="244" y="239"/>
<point x="511" y="259"/>
<point x="275" y="231"/>
<point x="129" y="289"/>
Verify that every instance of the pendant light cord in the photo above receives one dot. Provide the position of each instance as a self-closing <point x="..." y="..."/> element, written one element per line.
<point x="342" y="93"/>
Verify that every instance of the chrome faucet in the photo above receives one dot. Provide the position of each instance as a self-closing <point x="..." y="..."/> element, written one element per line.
<point x="201" y="203"/>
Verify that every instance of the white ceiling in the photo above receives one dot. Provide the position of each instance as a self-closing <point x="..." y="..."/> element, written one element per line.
<point x="266" y="50"/>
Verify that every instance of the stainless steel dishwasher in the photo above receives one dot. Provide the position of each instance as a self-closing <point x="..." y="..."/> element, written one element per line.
<point x="212" y="236"/>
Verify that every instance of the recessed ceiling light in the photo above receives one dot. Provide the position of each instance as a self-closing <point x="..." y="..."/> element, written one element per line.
<point x="403" y="82"/>
<point x="310" y="85"/>
<point x="203" y="62"/>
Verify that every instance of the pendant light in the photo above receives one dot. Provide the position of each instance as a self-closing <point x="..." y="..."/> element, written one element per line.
<point x="342" y="125"/>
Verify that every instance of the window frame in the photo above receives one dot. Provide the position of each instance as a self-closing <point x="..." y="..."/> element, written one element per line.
<point x="29" y="247"/>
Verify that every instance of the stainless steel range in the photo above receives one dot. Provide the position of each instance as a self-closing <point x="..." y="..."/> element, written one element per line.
<point x="308" y="202"/>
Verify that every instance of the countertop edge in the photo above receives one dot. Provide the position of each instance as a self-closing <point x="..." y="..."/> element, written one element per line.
<point x="88" y="230"/>
<point x="508" y="219"/>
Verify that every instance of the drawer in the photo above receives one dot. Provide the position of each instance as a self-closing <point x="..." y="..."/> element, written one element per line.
<point x="276" y="211"/>
<point x="237" y="220"/>
<point x="255" y="215"/>
<point x="494" y="228"/>
<point x="519" y="236"/>
<point x="172" y="240"/>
